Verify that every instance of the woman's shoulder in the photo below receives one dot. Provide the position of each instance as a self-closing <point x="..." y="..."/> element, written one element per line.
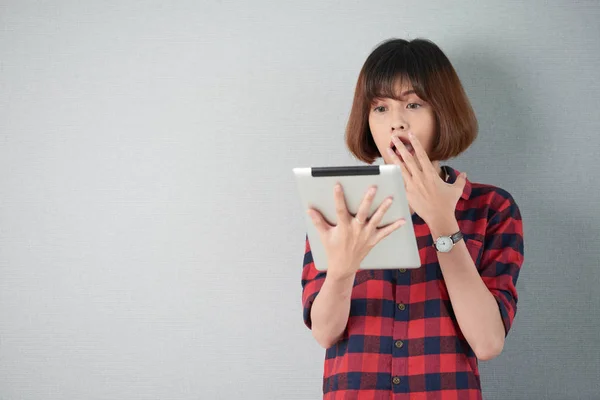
<point x="496" y="200"/>
<point x="484" y="195"/>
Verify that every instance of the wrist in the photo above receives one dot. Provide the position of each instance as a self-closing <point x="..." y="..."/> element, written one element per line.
<point x="341" y="285"/>
<point x="336" y="278"/>
<point x="443" y="226"/>
<point x="342" y="268"/>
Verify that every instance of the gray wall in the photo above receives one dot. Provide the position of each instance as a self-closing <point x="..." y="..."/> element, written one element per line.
<point x="151" y="237"/>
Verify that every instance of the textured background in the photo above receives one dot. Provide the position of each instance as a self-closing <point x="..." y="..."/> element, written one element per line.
<point x="151" y="235"/>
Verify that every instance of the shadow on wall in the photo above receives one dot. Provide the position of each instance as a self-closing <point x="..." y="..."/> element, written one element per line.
<point x="558" y="286"/>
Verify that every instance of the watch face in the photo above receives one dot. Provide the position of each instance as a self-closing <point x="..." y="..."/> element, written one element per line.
<point x="444" y="244"/>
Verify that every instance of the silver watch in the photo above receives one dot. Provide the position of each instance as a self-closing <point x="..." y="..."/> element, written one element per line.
<point x="444" y="244"/>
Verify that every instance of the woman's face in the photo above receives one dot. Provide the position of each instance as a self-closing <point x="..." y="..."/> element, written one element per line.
<point x="389" y="117"/>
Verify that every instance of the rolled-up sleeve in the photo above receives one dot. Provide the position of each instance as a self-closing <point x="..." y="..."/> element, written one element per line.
<point x="312" y="281"/>
<point x="502" y="258"/>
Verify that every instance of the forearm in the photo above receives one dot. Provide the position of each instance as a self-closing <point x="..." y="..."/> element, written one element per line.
<point x="330" y="310"/>
<point x="475" y="307"/>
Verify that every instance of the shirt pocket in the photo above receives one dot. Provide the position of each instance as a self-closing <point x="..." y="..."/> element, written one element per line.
<point x="475" y="248"/>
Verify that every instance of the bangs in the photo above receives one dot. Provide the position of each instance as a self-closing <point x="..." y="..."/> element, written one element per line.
<point x="396" y="65"/>
<point x="392" y="72"/>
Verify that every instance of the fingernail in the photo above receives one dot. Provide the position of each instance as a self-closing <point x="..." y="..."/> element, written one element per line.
<point x="410" y="134"/>
<point x="338" y="187"/>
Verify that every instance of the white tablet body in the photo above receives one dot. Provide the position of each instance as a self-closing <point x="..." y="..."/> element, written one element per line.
<point x="399" y="249"/>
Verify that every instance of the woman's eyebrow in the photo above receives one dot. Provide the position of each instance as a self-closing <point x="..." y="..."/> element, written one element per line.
<point x="405" y="94"/>
<point x="402" y="96"/>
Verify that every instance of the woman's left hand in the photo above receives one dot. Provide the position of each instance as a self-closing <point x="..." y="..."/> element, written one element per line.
<point x="428" y="195"/>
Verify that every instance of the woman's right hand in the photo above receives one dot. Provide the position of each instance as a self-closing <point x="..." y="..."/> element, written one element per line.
<point x="348" y="243"/>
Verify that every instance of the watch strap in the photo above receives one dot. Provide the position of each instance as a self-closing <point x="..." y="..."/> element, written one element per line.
<point x="456" y="237"/>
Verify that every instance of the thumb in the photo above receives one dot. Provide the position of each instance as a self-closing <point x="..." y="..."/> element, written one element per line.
<point x="317" y="219"/>
<point x="461" y="180"/>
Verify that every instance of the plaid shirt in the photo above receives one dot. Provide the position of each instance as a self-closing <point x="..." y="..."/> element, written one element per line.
<point x="402" y="339"/>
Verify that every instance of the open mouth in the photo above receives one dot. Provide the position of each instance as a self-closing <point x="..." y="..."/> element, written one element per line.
<point x="406" y="144"/>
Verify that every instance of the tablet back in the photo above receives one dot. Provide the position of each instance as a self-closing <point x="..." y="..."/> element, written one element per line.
<point x="399" y="249"/>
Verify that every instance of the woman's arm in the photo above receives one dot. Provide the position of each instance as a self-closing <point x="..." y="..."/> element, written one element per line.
<point x="475" y="306"/>
<point x="331" y="309"/>
<point x="484" y="298"/>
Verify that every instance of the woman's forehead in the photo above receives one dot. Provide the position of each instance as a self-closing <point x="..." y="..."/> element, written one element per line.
<point x="397" y="88"/>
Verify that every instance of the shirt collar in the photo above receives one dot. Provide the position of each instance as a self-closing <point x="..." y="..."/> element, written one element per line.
<point x="452" y="175"/>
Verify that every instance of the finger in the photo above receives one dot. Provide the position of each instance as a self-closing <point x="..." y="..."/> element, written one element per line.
<point x="380" y="212"/>
<point x="421" y="154"/>
<point x="318" y="221"/>
<point x="341" y="209"/>
<point x="388" y="229"/>
<point x="461" y="181"/>
<point x="394" y="157"/>
<point x="397" y="161"/>
<point x="365" y="206"/>
<point x="406" y="176"/>
<point x="409" y="160"/>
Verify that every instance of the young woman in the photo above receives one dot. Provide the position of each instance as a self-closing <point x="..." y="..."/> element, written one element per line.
<point x="418" y="334"/>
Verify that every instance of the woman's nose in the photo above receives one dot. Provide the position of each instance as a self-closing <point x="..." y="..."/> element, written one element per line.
<point x="398" y="121"/>
<point x="399" y="126"/>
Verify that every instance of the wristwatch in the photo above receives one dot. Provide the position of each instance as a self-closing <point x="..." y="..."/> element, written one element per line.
<point x="444" y="244"/>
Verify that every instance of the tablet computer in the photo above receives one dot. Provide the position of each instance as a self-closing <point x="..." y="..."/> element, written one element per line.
<point x="399" y="249"/>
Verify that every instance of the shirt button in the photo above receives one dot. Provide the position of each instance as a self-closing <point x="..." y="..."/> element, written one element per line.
<point x="396" y="380"/>
<point x="402" y="270"/>
<point x="401" y="307"/>
<point x="399" y="343"/>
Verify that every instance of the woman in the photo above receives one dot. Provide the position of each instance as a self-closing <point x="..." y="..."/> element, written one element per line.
<point x="419" y="333"/>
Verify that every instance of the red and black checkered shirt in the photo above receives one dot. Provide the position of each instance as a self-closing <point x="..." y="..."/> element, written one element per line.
<point x="402" y="339"/>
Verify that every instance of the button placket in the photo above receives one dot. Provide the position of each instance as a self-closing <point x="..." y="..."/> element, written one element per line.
<point x="400" y="333"/>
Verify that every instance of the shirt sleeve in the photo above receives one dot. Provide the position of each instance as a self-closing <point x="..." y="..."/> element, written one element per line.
<point x="502" y="258"/>
<point x="312" y="281"/>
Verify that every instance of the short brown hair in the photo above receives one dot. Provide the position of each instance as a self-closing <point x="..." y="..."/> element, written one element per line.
<point x="426" y="67"/>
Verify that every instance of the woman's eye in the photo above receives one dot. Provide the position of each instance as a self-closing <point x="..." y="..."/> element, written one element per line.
<point x="413" y="105"/>
<point x="379" y="109"/>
